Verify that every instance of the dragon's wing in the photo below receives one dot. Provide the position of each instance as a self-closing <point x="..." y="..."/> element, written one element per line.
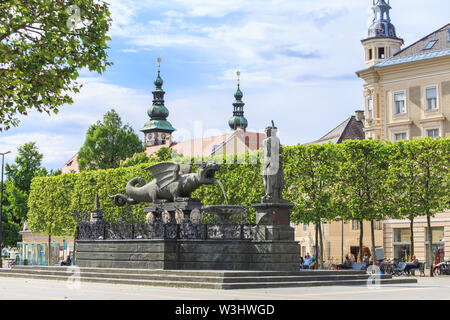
<point x="185" y="169"/>
<point x="165" y="173"/>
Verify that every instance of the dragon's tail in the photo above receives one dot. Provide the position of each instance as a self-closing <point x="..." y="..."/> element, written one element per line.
<point x="120" y="200"/>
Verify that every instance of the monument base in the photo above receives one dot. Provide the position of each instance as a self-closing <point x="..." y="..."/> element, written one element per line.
<point x="179" y="211"/>
<point x="166" y="254"/>
<point x="273" y="213"/>
<point x="275" y="232"/>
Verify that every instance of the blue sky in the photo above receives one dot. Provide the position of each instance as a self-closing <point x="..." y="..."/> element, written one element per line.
<point x="298" y="60"/>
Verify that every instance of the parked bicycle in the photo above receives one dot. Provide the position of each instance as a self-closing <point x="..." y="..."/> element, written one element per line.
<point x="386" y="266"/>
<point x="442" y="268"/>
<point x="11" y="263"/>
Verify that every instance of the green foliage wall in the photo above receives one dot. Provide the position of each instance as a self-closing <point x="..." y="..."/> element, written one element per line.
<point x="57" y="203"/>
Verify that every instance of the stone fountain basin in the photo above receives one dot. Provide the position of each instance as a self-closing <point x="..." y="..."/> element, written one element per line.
<point x="224" y="212"/>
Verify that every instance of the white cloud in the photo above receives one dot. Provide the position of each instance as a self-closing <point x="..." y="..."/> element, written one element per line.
<point x="297" y="58"/>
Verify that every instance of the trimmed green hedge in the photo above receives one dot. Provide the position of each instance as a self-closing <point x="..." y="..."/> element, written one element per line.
<point x="58" y="203"/>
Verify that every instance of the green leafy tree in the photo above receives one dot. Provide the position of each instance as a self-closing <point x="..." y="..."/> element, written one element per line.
<point x="16" y="189"/>
<point x="107" y="143"/>
<point x="403" y="183"/>
<point x="26" y="166"/>
<point x="10" y="228"/>
<point x="310" y="173"/>
<point x="43" y="44"/>
<point x="423" y="171"/>
<point x="137" y="158"/>
<point x="163" y="154"/>
<point x="363" y="166"/>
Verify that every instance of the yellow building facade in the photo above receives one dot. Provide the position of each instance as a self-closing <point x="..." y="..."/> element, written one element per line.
<point x="407" y="96"/>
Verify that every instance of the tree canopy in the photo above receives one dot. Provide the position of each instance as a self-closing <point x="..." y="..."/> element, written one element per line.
<point x="108" y="143"/>
<point x="43" y="45"/>
<point x="19" y="175"/>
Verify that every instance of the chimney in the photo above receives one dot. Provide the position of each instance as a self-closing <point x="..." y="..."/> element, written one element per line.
<point x="359" y="115"/>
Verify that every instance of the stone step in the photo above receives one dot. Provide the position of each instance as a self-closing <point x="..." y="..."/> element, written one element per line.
<point x="208" y="285"/>
<point x="211" y="273"/>
<point x="242" y="278"/>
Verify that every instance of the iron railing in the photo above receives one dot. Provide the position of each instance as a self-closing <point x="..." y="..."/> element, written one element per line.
<point x="102" y="230"/>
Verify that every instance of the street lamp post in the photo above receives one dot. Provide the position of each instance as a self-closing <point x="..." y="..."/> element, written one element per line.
<point x="1" y="208"/>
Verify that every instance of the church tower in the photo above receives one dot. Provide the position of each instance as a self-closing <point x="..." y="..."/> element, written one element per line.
<point x="238" y="121"/>
<point x="158" y="131"/>
<point x="382" y="41"/>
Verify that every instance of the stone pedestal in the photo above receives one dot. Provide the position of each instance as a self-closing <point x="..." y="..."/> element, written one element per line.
<point x="273" y="213"/>
<point x="189" y="254"/>
<point x="275" y="233"/>
<point x="273" y="220"/>
<point x="178" y="211"/>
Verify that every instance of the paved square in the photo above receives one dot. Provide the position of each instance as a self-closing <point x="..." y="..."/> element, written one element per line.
<point x="32" y="289"/>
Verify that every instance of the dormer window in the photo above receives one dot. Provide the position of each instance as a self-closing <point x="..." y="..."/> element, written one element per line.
<point x="430" y="45"/>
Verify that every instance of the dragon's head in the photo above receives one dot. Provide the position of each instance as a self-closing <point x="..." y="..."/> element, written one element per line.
<point x="206" y="172"/>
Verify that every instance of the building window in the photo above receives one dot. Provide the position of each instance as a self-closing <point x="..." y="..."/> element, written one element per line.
<point x="399" y="99"/>
<point x="381" y="53"/>
<point x="370" y="54"/>
<point x="355" y="225"/>
<point x="378" y="225"/>
<point x="430" y="44"/>
<point x="433" y="133"/>
<point x="437" y="233"/>
<point x="431" y="94"/>
<point x="400" y="136"/>
<point x="305" y="227"/>
<point x="438" y="245"/>
<point x="402" y="235"/>
<point x="370" y="108"/>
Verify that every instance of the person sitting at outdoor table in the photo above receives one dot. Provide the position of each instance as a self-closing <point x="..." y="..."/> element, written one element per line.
<point x="307" y="262"/>
<point x="411" y="265"/>
<point x="347" y="263"/>
<point x="366" y="260"/>
<point x="313" y="262"/>
<point x="68" y="261"/>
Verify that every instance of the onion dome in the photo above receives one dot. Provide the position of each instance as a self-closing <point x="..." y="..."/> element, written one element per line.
<point x="381" y="26"/>
<point x="158" y="112"/>
<point x="238" y="120"/>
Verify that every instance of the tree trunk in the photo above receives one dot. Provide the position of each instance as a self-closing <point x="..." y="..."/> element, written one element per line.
<point x="320" y="260"/>
<point x="49" y="253"/>
<point x="411" y="246"/>
<point x="74" y="247"/>
<point x="361" y="235"/>
<point x="317" y="242"/>
<point x="430" y="241"/>
<point x="374" y="252"/>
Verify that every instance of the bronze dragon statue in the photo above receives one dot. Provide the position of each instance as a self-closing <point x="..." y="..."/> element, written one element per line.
<point x="172" y="182"/>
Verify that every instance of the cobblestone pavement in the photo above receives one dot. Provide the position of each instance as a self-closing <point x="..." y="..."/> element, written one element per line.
<point x="31" y="289"/>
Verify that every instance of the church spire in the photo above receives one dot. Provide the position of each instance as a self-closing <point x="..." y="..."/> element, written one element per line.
<point x="238" y="120"/>
<point x="158" y="130"/>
